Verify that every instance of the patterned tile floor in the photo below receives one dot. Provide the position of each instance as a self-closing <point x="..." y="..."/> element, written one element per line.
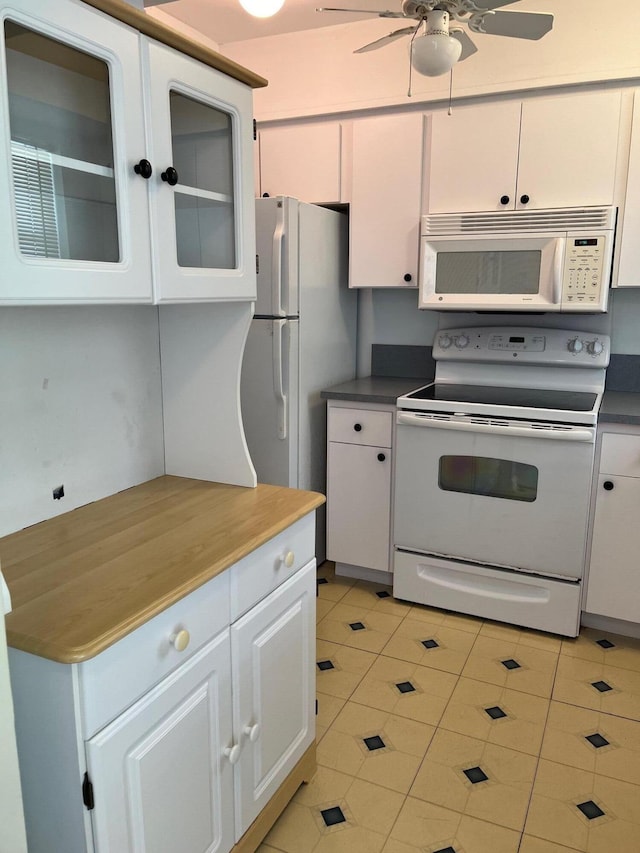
<point x="442" y="733"/>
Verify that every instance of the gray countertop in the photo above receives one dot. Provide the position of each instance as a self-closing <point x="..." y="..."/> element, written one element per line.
<point x="374" y="389"/>
<point x="618" y="407"/>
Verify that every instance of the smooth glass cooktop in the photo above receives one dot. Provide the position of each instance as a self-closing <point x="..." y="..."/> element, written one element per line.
<point x="537" y="398"/>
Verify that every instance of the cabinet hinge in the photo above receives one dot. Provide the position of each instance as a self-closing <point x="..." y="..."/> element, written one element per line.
<point x="87" y="792"/>
<point x="257" y="264"/>
<point x="255" y="130"/>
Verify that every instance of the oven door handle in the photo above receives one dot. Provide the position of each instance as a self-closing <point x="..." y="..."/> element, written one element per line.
<point x="570" y="434"/>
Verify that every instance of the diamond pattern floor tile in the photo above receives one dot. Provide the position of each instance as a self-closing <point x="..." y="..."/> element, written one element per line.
<point x="442" y="733"/>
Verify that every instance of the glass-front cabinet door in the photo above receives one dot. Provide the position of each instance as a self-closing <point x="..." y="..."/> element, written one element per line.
<point x="74" y="216"/>
<point x="202" y="204"/>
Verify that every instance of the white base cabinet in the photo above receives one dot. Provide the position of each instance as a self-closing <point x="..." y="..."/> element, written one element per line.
<point x="148" y="748"/>
<point x="359" y="485"/>
<point x="614" y="576"/>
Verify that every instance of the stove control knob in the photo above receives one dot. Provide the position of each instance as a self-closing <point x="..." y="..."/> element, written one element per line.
<point x="445" y="341"/>
<point x="594" y="347"/>
<point x="462" y="342"/>
<point x="575" y="345"/>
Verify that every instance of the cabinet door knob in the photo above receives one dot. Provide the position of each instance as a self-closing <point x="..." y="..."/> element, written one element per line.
<point x="252" y="732"/>
<point x="381" y="457"/>
<point x="288" y="559"/>
<point x="170" y="176"/>
<point x="607" y="485"/>
<point x="143" y="168"/>
<point x="504" y="199"/>
<point x="524" y="199"/>
<point x="233" y="753"/>
<point x="408" y="276"/>
<point x="180" y="640"/>
<point x="357" y="427"/>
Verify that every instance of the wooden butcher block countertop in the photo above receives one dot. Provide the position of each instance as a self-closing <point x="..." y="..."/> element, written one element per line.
<point x="83" y="580"/>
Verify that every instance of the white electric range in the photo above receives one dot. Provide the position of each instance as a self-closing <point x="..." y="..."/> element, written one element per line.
<point x="494" y="462"/>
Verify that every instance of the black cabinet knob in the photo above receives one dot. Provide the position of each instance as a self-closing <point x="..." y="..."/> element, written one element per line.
<point x="607" y="485"/>
<point x="143" y="168"/>
<point x="524" y="199"/>
<point x="170" y="176"/>
<point x="381" y="457"/>
<point x="407" y="276"/>
<point x="357" y="427"/>
<point x="504" y="199"/>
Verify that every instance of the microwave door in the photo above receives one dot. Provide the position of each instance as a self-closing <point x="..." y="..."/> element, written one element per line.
<point x="492" y="273"/>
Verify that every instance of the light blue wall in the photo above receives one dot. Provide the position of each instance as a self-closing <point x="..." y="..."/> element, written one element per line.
<point x="625" y="321"/>
<point x="392" y="317"/>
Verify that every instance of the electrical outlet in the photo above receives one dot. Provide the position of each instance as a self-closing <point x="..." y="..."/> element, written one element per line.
<point x="58" y="493"/>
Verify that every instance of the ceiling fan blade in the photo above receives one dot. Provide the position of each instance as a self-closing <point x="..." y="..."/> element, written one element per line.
<point x="374" y="45"/>
<point x="521" y="25"/>
<point x="495" y="4"/>
<point x="468" y="47"/>
<point x="364" y="12"/>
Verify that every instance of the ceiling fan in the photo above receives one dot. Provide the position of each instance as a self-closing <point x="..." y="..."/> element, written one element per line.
<point x="438" y="40"/>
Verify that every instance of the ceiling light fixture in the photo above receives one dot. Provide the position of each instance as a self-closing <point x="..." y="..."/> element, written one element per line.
<point x="436" y="51"/>
<point x="262" y="8"/>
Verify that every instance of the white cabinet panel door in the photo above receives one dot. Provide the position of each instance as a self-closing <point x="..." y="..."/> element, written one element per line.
<point x="385" y="201"/>
<point x="359" y="505"/>
<point x="629" y="270"/>
<point x="161" y="780"/>
<point x="302" y="161"/>
<point x="201" y="191"/>
<point x="473" y="158"/>
<point x="614" y="573"/>
<point x="273" y="653"/>
<point x="568" y="151"/>
<point x="72" y="209"/>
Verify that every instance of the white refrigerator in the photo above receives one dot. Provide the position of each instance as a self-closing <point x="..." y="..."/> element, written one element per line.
<point x="302" y="339"/>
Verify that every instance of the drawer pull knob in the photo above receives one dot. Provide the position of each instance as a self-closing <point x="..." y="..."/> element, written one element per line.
<point x="357" y="427"/>
<point x="607" y="485"/>
<point x="381" y="457"/>
<point x="180" y="640"/>
<point x="288" y="559"/>
<point x="252" y="732"/>
<point x="233" y="753"/>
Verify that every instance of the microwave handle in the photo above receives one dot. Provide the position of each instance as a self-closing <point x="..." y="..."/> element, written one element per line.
<point x="558" y="269"/>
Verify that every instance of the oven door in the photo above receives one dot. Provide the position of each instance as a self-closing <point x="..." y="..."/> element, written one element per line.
<point x="501" y="493"/>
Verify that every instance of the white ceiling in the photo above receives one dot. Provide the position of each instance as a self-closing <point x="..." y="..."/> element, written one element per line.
<point x="226" y="21"/>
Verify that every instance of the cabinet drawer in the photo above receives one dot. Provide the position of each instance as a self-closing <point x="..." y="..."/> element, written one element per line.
<point x="360" y="426"/>
<point x="260" y="572"/>
<point x="620" y="454"/>
<point x="114" y="679"/>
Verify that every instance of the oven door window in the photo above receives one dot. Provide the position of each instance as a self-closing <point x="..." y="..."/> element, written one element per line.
<point x="489" y="477"/>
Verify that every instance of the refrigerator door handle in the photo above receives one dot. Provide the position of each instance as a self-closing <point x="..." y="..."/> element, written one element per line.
<point x="278" y="383"/>
<point x="276" y="264"/>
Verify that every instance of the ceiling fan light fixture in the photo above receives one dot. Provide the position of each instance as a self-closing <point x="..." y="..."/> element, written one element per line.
<point x="262" y="8"/>
<point x="434" y="54"/>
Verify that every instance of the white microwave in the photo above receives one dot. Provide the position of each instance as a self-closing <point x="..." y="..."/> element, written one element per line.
<point x="518" y="260"/>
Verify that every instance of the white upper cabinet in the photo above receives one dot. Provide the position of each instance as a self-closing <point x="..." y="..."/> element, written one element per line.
<point x="541" y="153"/>
<point x="385" y="201"/>
<point x="302" y="161"/>
<point x="201" y="191"/>
<point x="90" y="123"/>
<point x="629" y="269"/>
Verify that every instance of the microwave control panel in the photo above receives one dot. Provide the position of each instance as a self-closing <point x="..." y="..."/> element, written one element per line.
<point x="584" y="279"/>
